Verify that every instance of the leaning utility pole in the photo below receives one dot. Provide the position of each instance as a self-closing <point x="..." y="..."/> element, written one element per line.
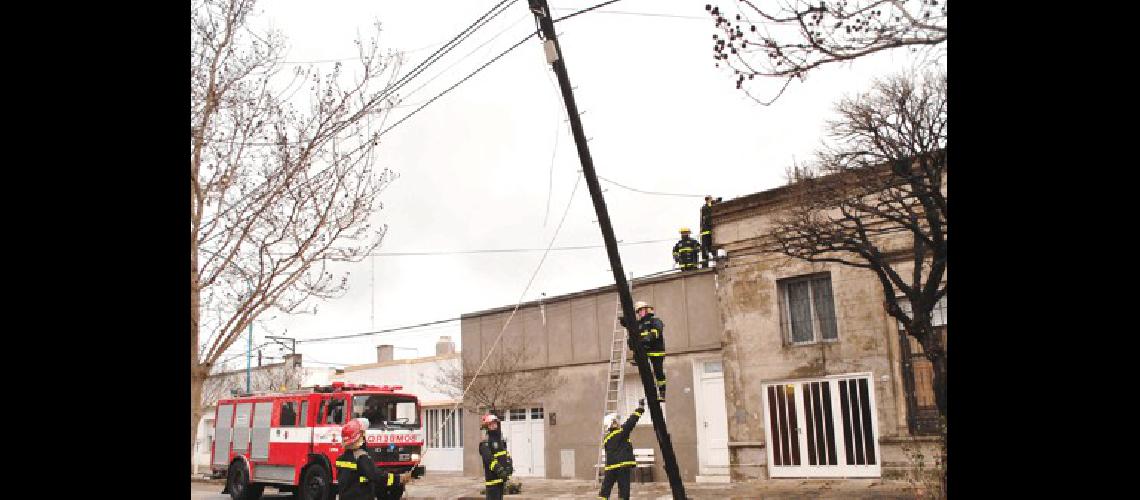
<point x="541" y="11"/>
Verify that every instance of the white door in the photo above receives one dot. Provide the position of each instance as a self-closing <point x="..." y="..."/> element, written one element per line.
<point x="712" y="421"/>
<point x="525" y="431"/>
<point x="538" y="442"/>
<point x="444" y="439"/>
<point x="824" y="427"/>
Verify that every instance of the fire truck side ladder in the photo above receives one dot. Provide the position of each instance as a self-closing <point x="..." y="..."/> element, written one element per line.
<point x="615" y="384"/>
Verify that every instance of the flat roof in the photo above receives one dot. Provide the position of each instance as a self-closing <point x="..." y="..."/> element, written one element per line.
<point x="644" y="280"/>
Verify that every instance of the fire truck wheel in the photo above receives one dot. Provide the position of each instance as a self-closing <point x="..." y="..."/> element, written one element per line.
<point x="239" y="486"/>
<point x="316" y="484"/>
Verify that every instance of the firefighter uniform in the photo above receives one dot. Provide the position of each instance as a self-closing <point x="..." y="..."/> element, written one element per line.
<point x="358" y="478"/>
<point x="706" y="230"/>
<point x="491" y="451"/>
<point x="619" y="457"/>
<point x="685" y="252"/>
<point x="652" y="332"/>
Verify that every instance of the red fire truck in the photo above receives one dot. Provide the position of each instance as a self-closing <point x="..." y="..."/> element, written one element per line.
<point x="290" y="440"/>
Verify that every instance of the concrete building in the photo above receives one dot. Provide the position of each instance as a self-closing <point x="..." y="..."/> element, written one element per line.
<point x="776" y="367"/>
<point x="442" y="433"/>
<point x="558" y="434"/>
<point x="820" y="381"/>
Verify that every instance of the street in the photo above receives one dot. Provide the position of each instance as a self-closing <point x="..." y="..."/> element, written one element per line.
<point x="458" y="487"/>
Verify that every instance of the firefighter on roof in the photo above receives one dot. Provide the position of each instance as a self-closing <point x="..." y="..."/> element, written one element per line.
<point x="706" y="229"/>
<point x="497" y="466"/>
<point x="619" y="452"/>
<point x="357" y="477"/>
<point x="685" y="252"/>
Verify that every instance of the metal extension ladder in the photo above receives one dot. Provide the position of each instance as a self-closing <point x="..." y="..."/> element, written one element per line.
<point x="615" y="382"/>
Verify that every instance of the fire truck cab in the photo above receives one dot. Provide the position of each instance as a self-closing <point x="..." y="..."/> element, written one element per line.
<point x="291" y="440"/>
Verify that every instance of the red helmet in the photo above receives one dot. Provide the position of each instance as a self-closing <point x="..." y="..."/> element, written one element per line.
<point x="353" y="430"/>
<point x="488" y="418"/>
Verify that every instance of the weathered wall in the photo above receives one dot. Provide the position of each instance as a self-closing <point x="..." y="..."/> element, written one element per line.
<point x="575" y="409"/>
<point x="756" y="352"/>
<point x="575" y="340"/>
<point x="577" y="328"/>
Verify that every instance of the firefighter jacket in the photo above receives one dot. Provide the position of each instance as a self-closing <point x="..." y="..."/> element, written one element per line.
<point x="619" y="449"/>
<point x="652" y="332"/>
<point x="686" y="252"/>
<point x="492" y="451"/>
<point x="358" y="479"/>
<point x="706" y="219"/>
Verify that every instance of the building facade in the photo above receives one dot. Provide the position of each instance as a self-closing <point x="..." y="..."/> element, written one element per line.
<point x="443" y="434"/>
<point x="820" y="380"/>
<point x="569" y="337"/>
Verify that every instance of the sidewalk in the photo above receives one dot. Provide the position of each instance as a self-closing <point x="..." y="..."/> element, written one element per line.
<point x="460" y="487"/>
<point x="453" y="486"/>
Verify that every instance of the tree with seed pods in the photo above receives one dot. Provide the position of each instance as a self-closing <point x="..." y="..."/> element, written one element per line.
<point x="787" y="39"/>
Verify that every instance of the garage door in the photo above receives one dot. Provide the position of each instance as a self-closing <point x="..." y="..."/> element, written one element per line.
<point x="824" y="427"/>
<point x="525" y="432"/>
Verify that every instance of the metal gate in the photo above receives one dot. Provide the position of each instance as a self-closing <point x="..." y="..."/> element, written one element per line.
<point x="822" y="427"/>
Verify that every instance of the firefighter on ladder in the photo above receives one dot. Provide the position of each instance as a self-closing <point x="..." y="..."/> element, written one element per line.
<point x="619" y="452"/>
<point x="685" y="252"/>
<point x="497" y="466"/>
<point x="651" y="333"/>
<point x="357" y="477"/>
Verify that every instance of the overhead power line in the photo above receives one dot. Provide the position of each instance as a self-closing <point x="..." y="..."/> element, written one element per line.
<point x="644" y="14"/>
<point x="377" y="332"/>
<point x="583" y="11"/>
<point x="650" y="192"/>
<point x="479" y="23"/>
<point x="508" y="250"/>
<point x="460" y="82"/>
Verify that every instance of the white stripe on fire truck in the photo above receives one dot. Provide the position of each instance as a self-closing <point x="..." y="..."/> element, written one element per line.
<point x="290" y="435"/>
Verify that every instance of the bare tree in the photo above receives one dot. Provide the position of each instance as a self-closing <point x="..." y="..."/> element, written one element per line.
<point x="786" y="39"/>
<point x="506" y="381"/>
<point x="876" y="199"/>
<point x="281" y="188"/>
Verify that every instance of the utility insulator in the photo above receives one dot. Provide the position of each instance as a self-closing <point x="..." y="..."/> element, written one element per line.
<point x="551" y="51"/>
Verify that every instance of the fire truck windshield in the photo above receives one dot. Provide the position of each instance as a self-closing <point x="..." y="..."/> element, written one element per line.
<point x="385" y="411"/>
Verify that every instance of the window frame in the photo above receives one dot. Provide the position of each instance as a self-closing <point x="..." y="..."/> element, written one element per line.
<point x="782" y="291"/>
<point x="281" y="409"/>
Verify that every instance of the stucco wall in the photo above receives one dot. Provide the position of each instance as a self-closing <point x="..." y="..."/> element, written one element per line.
<point x="756" y="350"/>
<point x="575" y="341"/>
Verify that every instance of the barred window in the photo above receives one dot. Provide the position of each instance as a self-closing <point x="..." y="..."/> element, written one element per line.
<point x="442" y="428"/>
<point x="807" y="309"/>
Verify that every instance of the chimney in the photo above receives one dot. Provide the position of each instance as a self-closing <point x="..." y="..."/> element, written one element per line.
<point x="444" y="346"/>
<point x="384" y="353"/>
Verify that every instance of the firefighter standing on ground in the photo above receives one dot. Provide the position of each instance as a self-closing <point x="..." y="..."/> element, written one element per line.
<point x="619" y="452"/>
<point x="496" y="458"/>
<point x="651" y="334"/>
<point x="685" y="252"/>
<point x="357" y="477"/>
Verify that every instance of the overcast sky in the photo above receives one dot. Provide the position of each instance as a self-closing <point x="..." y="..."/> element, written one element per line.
<point x="475" y="167"/>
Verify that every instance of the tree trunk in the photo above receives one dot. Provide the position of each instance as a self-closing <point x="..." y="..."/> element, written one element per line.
<point x="196" y="381"/>
<point x="197" y="375"/>
<point x="937" y="357"/>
